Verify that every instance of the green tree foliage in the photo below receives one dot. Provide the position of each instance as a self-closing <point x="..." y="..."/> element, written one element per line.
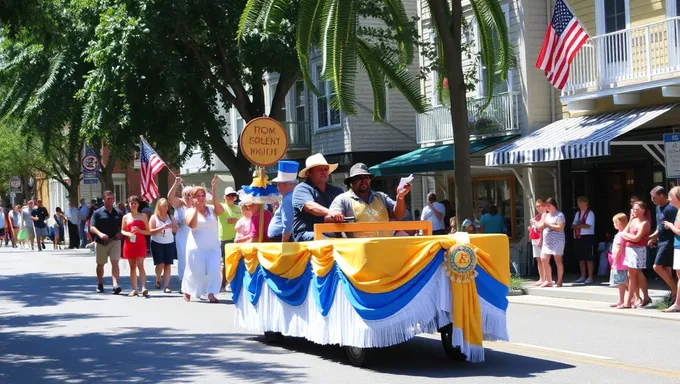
<point x="18" y="157"/>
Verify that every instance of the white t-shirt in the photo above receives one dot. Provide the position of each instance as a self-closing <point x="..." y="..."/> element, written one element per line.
<point x="590" y="220"/>
<point x="429" y="215"/>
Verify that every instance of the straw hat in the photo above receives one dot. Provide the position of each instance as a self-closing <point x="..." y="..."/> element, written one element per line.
<point x="317" y="160"/>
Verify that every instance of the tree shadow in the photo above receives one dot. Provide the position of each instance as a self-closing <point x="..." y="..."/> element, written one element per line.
<point x="425" y="358"/>
<point x="132" y="355"/>
<point x="45" y="289"/>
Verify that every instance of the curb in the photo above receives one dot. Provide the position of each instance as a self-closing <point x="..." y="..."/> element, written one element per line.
<point x="518" y="292"/>
<point x="631" y="312"/>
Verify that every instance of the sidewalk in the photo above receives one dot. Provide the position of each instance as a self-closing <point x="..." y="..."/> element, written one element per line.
<point x="594" y="297"/>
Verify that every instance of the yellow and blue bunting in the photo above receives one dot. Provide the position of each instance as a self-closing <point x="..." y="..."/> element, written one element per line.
<point x="374" y="292"/>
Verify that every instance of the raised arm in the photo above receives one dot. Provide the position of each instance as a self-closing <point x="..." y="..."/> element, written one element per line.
<point x="191" y="217"/>
<point x="219" y="209"/>
<point x="172" y="193"/>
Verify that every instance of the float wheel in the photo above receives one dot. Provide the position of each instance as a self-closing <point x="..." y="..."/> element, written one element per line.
<point x="273" y="337"/>
<point x="453" y="353"/>
<point x="358" y="357"/>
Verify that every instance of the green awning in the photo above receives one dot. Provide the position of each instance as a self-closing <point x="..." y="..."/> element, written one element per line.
<point x="430" y="159"/>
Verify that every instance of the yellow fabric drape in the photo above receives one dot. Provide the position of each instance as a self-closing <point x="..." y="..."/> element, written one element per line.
<point x="381" y="265"/>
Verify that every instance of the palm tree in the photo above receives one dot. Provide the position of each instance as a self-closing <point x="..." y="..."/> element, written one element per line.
<point x="333" y="27"/>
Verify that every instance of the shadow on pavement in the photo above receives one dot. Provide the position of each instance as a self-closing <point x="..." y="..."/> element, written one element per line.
<point x="131" y="355"/>
<point x="422" y="357"/>
<point x="45" y="289"/>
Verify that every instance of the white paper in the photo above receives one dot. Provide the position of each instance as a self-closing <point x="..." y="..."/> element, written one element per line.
<point x="403" y="181"/>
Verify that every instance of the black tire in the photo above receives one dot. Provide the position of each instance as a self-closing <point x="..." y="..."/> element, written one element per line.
<point x="358" y="357"/>
<point x="453" y="353"/>
<point x="273" y="337"/>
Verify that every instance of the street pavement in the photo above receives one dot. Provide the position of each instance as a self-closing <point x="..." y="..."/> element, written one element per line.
<point x="55" y="329"/>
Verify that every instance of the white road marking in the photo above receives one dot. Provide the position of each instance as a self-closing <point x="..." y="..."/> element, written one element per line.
<point x="557" y="350"/>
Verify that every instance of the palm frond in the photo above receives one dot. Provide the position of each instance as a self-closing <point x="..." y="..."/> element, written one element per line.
<point x="309" y="16"/>
<point x="340" y="52"/>
<point x="401" y="20"/>
<point x="400" y="78"/>
<point x="485" y="24"/>
<point x="251" y="16"/>
<point x="377" y="79"/>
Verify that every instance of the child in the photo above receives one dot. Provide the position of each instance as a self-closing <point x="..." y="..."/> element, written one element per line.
<point x="469" y="226"/>
<point x="453" y="224"/>
<point x="618" y="276"/>
<point x="243" y="226"/>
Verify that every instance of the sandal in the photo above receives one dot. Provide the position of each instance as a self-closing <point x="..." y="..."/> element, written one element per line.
<point x="187" y="297"/>
<point x="133" y="294"/>
<point x="167" y="290"/>
<point x="212" y="298"/>
<point x="158" y="284"/>
<point x="645" y="303"/>
<point x="672" y="308"/>
<point x="623" y="306"/>
<point x="145" y="292"/>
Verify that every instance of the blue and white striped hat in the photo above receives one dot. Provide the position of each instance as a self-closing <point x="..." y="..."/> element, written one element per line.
<point x="287" y="172"/>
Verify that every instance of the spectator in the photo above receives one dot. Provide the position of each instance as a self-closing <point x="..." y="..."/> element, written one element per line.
<point x="636" y="236"/>
<point x="662" y="238"/>
<point x="435" y="212"/>
<point x="552" y="225"/>
<point x="492" y="221"/>
<point x="584" y="239"/>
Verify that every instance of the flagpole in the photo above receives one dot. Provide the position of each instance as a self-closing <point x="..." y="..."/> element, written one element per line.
<point x="166" y="165"/>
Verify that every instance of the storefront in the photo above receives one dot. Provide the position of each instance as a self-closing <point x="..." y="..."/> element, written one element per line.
<point x="606" y="157"/>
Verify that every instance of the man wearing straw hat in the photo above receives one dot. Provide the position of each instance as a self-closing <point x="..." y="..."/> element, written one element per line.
<point x="313" y="197"/>
<point x="281" y="226"/>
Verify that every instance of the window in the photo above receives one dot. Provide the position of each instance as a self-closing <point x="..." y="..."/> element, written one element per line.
<point x="284" y="110"/>
<point x="299" y="101"/>
<point x="500" y="191"/>
<point x="325" y="117"/>
<point x="615" y="19"/>
<point x="119" y="187"/>
<point x="239" y="123"/>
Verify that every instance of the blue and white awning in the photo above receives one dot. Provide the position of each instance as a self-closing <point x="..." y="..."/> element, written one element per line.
<point x="574" y="138"/>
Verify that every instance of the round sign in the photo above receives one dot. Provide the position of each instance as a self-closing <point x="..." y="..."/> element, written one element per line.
<point x="90" y="163"/>
<point x="263" y="141"/>
<point x="15" y="182"/>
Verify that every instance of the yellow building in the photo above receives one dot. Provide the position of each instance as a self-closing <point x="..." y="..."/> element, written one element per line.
<point x="617" y="105"/>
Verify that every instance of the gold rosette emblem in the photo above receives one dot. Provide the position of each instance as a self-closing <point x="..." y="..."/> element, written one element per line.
<point x="460" y="262"/>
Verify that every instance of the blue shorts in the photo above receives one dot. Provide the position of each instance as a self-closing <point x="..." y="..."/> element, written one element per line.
<point x="664" y="253"/>
<point x="41" y="232"/>
<point x="163" y="253"/>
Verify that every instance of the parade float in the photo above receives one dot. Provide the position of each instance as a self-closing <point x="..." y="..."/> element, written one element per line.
<point x="367" y="293"/>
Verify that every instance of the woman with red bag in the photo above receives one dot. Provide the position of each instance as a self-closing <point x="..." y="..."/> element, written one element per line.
<point x="535" y="237"/>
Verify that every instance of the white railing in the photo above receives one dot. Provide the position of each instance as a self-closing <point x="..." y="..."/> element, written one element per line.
<point x="642" y="53"/>
<point x="499" y="117"/>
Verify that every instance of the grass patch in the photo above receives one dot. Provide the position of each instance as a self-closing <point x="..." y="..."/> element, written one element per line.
<point x="665" y="303"/>
<point x="517" y="282"/>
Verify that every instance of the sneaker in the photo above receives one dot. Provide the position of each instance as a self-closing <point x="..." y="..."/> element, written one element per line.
<point x="117" y="289"/>
<point x="100" y="288"/>
<point x="581" y="281"/>
<point x="589" y="281"/>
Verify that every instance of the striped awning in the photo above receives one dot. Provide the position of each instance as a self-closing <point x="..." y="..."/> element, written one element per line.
<point x="574" y="138"/>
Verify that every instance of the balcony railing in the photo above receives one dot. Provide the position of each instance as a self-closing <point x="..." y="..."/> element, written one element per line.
<point x="635" y="55"/>
<point x="499" y="117"/>
<point x="299" y="134"/>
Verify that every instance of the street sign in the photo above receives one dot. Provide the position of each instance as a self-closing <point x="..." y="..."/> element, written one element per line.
<point x="263" y="141"/>
<point x="90" y="166"/>
<point x="671" y="143"/>
<point x="15" y="184"/>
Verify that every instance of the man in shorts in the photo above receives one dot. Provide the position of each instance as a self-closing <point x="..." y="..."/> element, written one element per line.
<point x="39" y="216"/>
<point x="663" y="237"/>
<point x="105" y="228"/>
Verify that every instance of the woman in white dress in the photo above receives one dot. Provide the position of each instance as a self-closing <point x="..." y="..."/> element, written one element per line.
<point x="203" y="272"/>
<point x="181" y="205"/>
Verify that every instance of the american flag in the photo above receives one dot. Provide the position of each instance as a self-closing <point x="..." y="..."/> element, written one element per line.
<point x="564" y="38"/>
<point x="150" y="165"/>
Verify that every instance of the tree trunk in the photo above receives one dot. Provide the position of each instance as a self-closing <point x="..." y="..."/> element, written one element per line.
<point x="451" y="41"/>
<point x="74" y="193"/>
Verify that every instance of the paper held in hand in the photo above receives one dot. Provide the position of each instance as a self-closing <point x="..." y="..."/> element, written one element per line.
<point x="403" y="181"/>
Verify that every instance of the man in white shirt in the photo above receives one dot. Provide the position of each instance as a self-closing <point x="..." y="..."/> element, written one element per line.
<point x="73" y="215"/>
<point x="584" y="239"/>
<point x="434" y="212"/>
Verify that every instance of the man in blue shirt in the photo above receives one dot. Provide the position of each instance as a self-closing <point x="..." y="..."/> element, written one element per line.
<point x="663" y="237"/>
<point x="312" y="198"/>
<point x="281" y="226"/>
